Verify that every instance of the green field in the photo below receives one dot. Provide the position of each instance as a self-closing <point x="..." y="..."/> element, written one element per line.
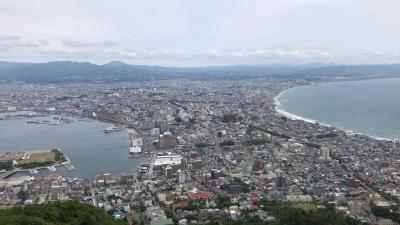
<point x="39" y="158"/>
<point x="305" y="207"/>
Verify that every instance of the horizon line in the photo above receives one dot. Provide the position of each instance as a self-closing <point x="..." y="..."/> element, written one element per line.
<point x="326" y="64"/>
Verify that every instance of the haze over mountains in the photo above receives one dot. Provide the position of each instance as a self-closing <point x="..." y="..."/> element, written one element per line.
<point x="68" y="71"/>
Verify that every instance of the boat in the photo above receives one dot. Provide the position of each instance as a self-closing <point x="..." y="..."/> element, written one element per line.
<point x="110" y="129"/>
<point x="113" y="128"/>
<point x="46" y="122"/>
<point x="62" y="119"/>
<point x="69" y="167"/>
<point x="51" y="168"/>
<point x="33" y="171"/>
<point x="33" y="121"/>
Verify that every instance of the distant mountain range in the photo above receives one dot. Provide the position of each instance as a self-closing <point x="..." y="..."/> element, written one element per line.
<point x="67" y="71"/>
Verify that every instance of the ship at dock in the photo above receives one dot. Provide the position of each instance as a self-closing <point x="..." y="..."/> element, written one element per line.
<point x="33" y="171"/>
<point x="69" y="167"/>
<point x="51" y="168"/>
<point x="114" y="128"/>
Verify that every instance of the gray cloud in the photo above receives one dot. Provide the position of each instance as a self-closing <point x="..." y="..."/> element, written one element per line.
<point x="8" y="42"/>
<point x="189" y="32"/>
<point x="238" y="54"/>
<point x="43" y="42"/>
<point x="81" y="44"/>
<point x="204" y="56"/>
<point x="5" y="37"/>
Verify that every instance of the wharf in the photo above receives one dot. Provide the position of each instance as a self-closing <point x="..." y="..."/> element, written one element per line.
<point x="10" y="172"/>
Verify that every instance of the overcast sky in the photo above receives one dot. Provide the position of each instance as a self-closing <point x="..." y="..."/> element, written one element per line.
<point x="201" y="32"/>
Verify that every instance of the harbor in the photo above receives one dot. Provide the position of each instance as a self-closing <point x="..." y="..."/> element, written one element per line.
<point x="82" y="141"/>
<point x="53" y="121"/>
<point x="32" y="161"/>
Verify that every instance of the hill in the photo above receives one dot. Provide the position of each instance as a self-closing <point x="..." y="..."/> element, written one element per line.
<point x="67" y="71"/>
<point x="74" y="213"/>
<point x="71" y="213"/>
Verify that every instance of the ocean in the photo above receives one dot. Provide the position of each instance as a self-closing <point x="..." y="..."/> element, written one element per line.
<point x="89" y="148"/>
<point x="370" y="107"/>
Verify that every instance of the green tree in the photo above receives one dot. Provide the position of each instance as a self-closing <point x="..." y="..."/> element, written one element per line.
<point x="59" y="213"/>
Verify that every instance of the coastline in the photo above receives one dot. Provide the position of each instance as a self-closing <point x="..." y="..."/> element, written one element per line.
<point x="85" y="165"/>
<point x="286" y="114"/>
<point x="292" y="116"/>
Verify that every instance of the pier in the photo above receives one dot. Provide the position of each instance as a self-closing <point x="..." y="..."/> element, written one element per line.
<point x="10" y="172"/>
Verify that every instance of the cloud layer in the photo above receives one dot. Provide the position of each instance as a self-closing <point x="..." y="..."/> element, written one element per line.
<point x="207" y="32"/>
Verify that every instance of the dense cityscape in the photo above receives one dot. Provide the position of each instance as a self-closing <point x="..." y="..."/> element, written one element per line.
<point x="218" y="150"/>
<point x="187" y="112"/>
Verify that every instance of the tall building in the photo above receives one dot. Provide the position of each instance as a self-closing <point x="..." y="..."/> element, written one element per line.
<point x="167" y="141"/>
<point x="155" y="132"/>
<point x="147" y="124"/>
<point x="280" y="181"/>
<point x="181" y="177"/>
<point x="324" y="153"/>
<point x="214" y="174"/>
<point x="258" y="165"/>
<point x="168" y="172"/>
<point x="164" y="128"/>
<point x="197" y="164"/>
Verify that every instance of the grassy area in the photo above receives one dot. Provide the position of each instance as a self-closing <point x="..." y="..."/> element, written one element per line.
<point x="35" y="164"/>
<point x="305" y="207"/>
<point x="39" y="158"/>
<point x="171" y="197"/>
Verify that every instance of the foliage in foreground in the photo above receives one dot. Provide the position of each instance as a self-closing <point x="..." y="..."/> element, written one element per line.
<point x="385" y="213"/>
<point x="319" y="216"/>
<point x="288" y="215"/>
<point x="59" y="213"/>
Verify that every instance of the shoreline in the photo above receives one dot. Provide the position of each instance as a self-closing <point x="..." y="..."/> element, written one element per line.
<point x="6" y="174"/>
<point x="292" y="116"/>
<point x="286" y="114"/>
<point x="78" y="172"/>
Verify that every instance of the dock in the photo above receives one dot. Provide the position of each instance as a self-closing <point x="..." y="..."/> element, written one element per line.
<point x="10" y="172"/>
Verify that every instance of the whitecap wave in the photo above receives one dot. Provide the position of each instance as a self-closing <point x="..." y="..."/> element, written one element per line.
<point x="280" y="111"/>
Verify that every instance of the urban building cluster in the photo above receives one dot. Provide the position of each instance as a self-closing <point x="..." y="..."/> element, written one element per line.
<point x="218" y="149"/>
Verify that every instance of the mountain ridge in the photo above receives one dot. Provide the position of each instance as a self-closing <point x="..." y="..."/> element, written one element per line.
<point x="71" y="71"/>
